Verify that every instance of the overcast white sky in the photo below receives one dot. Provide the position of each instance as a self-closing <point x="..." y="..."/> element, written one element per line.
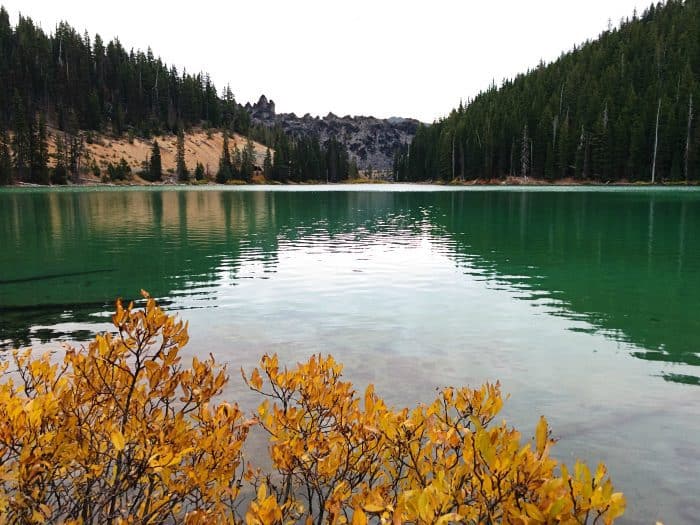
<point x="362" y="57"/>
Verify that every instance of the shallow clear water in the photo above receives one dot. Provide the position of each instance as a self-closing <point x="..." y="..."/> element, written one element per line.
<point x="583" y="302"/>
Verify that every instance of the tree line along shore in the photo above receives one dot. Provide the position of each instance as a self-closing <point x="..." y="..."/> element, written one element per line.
<point x="620" y="109"/>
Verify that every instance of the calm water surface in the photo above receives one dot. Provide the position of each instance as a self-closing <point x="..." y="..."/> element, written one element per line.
<point x="584" y="303"/>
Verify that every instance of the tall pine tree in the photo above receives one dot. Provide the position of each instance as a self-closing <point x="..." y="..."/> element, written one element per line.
<point x="181" y="170"/>
<point x="155" y="166"/>
<point x="225" y="172"/>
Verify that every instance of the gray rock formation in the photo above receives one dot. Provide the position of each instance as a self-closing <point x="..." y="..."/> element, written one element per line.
<point x="370" y="141"/>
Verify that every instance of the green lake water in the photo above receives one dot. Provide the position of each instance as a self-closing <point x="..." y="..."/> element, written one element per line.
<point x="584" y="303"/>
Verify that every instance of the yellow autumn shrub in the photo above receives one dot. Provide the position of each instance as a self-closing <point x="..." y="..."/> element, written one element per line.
<point x="123" y="432"/>
<point x="119" y="431"/>
<point x="345" y="459"/>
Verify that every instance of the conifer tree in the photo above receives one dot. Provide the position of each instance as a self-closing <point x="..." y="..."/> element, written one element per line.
<point x="59" y="175"/>
<point x="199" y="171"/>
<point x="124" y="169"/>
<point x="40" y="153"/>
<point x="247" y="161"/>
<point x="20" y="139"/>
<point x="95" y="83"/>
<point x="236" y="161"/>
<point x="267" y="164"/>
<point x="281" y="160"/>
<point x="181" y="170"/>
<point x="155" y="170"/>
<point x="225" y="172"/>
<point x="549" y="171"/>
<point x="96" y="171"/>
<point x="75" y="152"/>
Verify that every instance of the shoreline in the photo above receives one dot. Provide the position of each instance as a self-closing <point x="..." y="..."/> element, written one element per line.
<point x="476" y="183"/>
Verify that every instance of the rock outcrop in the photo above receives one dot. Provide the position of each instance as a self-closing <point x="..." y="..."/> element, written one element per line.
<point x="370" y="141"/>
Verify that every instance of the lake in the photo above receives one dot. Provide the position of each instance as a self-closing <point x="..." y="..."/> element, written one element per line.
<point x="583" y="302"/>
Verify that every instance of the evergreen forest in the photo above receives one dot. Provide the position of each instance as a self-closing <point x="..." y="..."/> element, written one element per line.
<point x="78" y="85"/>
<point x="620" y="108"/>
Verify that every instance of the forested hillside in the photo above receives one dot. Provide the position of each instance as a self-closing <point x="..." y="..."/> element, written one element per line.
<point x="623" y="107"/>
<point x="63" y="93"/>
<point x="85" y="83"/>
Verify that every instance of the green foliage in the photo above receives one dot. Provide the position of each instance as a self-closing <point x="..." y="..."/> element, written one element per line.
<point x="96" y="171"/>
<point x="120" y="172"/>
<point x="226" y="169"/>
<point x="336" y="160"/>
<point x="591" y="114"/>
<point x="76" y="148"/>
<point x="39" y="153"/>
<point x="155" y="166"/>
<point x="267" y="164"/>
<point x="59" y="175"/>
<point x="21" y="138"/>
<point x="183" y="174"/>
<point x="237" y="161"/>
<point x="247" y="163"/>
<point x="93" y="85"/>
<point x="305" y="159"/>
<point x="199" y="172"/>
<point x="77" y="83"/>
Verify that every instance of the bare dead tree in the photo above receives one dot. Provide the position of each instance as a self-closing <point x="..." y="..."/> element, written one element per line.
<point x="525" y="153"/>
<point x="656" y="143"/>
<point x="687" y="140"/>
<point x="454" y="135"/>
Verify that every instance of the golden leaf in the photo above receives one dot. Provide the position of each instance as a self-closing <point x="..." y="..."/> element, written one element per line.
<point x="541" y="435"/>
<point x="359" y="517"/>
<point x="118" y="441"/>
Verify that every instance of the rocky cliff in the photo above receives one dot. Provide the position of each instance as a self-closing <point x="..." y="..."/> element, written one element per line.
<point x="370" y="141"/>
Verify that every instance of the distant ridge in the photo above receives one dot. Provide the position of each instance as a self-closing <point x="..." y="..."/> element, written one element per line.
<point x="370" y="141"/>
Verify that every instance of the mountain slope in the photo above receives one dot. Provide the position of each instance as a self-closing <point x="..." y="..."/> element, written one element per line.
<point x="591" y="114"/>
<point x="113" y="101"/>
<point x="79" y="82"/>
<point x="200" y="146"/>
<point x="371" y="142"/>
